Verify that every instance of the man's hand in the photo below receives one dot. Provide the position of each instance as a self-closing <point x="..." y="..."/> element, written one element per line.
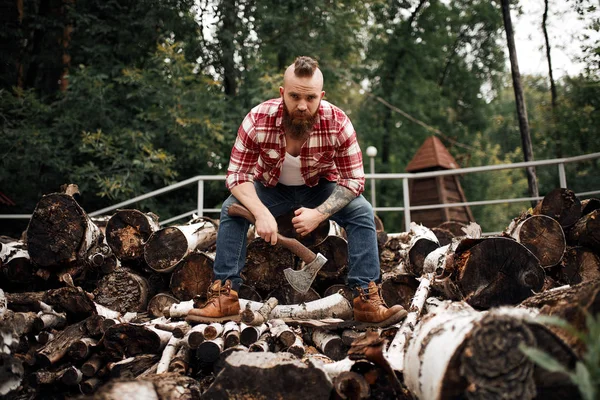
<point x="307" y="220"/>
<point x="266" y="227"/>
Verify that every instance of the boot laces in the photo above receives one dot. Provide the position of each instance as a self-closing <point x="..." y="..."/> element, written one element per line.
<point x="213" y="294"/>
<point x="371" y="295"/>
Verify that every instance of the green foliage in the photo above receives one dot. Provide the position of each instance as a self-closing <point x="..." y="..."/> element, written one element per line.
<point x="586" y="375"/>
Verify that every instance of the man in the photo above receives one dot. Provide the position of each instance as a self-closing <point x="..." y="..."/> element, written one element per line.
<point x="297" y="152"/>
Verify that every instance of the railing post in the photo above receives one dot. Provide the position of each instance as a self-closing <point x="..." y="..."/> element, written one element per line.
<point x="200" y="205"/>
<point x="406" y="196"/>
<point x="372" y="152"/>
<point x="562" y="177"/>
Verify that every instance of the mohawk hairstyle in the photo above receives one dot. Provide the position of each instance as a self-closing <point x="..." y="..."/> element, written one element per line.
<point x="305" y="66"/>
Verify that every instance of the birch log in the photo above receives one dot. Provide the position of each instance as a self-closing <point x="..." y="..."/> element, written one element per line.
<point x="15" y="264"/>
<point x="127" y="231"/>
<point x="168" y="246"/>
<point x="123" y="291"/>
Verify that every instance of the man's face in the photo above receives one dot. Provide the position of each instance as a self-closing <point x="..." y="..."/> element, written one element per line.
<point x="301" y="98"/>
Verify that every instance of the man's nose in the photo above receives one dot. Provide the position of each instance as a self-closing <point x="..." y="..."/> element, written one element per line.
<point x="302" y="106"/>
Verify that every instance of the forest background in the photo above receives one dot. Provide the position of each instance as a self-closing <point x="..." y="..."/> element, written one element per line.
<point x="123" y="97"/>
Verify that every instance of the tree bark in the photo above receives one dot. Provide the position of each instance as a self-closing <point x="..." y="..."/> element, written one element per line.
<point x="265" y="265"/>
<point x="520" y="101"/>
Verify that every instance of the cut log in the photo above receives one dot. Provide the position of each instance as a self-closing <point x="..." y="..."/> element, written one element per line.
<point x="330" y="344"/>
<point x="231" y="334"/>
<point x="560" y="204"/>
<point x="60" y="232"/>
<point x="261" y="316"/>
<point x="127" y="231"/>
<point x="250" y="334"/>
<point x="209" y="351"/>
<point x="589" y="205"/>
<point x="578" y="265"/>
<point x="127" y="340"/>
<point x="157" y="304"/>
<point x="493" y="271"/>
<point x="350" y="385"/>
<point x="261" y="374"/>
<point x="455" y="227"/>
<point x="195" y="336"/>
<point x="572" y="304"/>
<point x="168" y="246"/>
<point x="15" y="265"/>
<point x="181" y="361"/>
<point x="399" y="289"/>
<point x="543" y="236"/>
<point x="56" y="349"/>
<point x="586" y="232"/>
<point x="123" y="291"/>
<point x="192" y="276"/>
<point x="82" y="349"/>
<point x="71" y="376"/>
<point x="132" y="367"/>
<point x="459" y="352"/>
<point x="263" y="344"/>
<point x="74" y="301"/>
<point x="89" y="386"/>
<point x="213" y="331"/>
<point x="265" y="265"/>
<point x="92" y="365"/>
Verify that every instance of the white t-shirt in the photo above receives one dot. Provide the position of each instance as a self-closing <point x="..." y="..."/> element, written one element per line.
<point x="290" y="171"/>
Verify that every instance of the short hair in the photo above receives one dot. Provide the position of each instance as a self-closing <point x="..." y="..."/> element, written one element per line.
<point x="305" y="66"/>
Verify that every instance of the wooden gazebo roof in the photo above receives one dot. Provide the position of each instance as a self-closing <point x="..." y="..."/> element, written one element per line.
<point x="431" y="154"/>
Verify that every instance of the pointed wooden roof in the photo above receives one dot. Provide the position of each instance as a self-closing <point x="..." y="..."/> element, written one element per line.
<point x="431" y="154"/>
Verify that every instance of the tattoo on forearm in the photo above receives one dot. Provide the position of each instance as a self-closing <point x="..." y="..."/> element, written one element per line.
<point x="337" y="200"/>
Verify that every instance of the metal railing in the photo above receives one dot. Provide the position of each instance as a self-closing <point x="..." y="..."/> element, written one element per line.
<point x="372" y="176"/>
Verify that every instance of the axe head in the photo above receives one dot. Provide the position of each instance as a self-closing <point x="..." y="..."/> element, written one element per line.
<point x="301" y="279"/>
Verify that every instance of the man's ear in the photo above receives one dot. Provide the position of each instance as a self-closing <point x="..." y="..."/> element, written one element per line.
<point x="281" y="91"/>
<point x="322" y="95"/>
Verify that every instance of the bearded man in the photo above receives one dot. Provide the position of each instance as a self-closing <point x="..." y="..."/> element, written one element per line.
<point x="297" y="152"/>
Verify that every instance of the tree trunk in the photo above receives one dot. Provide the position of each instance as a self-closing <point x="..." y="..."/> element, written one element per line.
<point x="520" y="101"/>
<point x="127" y="231"/>
<point x="553" y="94"/>
<point x="168" y="246"/>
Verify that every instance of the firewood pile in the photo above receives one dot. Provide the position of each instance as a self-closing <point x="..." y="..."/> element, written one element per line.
<point x="96" y="308"/>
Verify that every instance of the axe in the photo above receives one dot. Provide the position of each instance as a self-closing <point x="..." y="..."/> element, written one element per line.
<point x="299" y="280"/>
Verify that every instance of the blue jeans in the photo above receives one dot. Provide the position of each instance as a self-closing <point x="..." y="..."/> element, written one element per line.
<point x="356" y="218"/>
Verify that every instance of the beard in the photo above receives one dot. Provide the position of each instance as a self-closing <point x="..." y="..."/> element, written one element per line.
<point x="298" y="125"/>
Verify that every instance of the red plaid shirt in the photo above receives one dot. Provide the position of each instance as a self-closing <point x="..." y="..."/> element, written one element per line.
<point x="331" y="151"/>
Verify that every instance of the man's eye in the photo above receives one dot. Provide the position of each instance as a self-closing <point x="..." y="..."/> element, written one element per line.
<point x="295" y="96"/>
<point x="311" y="98"/>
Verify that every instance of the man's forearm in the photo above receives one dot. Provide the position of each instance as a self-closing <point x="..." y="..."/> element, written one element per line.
<point x="246" y="194"/>
<point x="338" y="199"/>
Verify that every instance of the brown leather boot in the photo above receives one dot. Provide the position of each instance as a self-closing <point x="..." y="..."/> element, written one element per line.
<point x="369" y="307"/>
<point x="222" y="305"/>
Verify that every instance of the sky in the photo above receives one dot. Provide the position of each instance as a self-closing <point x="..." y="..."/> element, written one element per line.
<point x="564" y="31"/>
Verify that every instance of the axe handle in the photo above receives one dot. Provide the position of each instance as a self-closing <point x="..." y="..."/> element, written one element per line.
<point x="293" y="245"/>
